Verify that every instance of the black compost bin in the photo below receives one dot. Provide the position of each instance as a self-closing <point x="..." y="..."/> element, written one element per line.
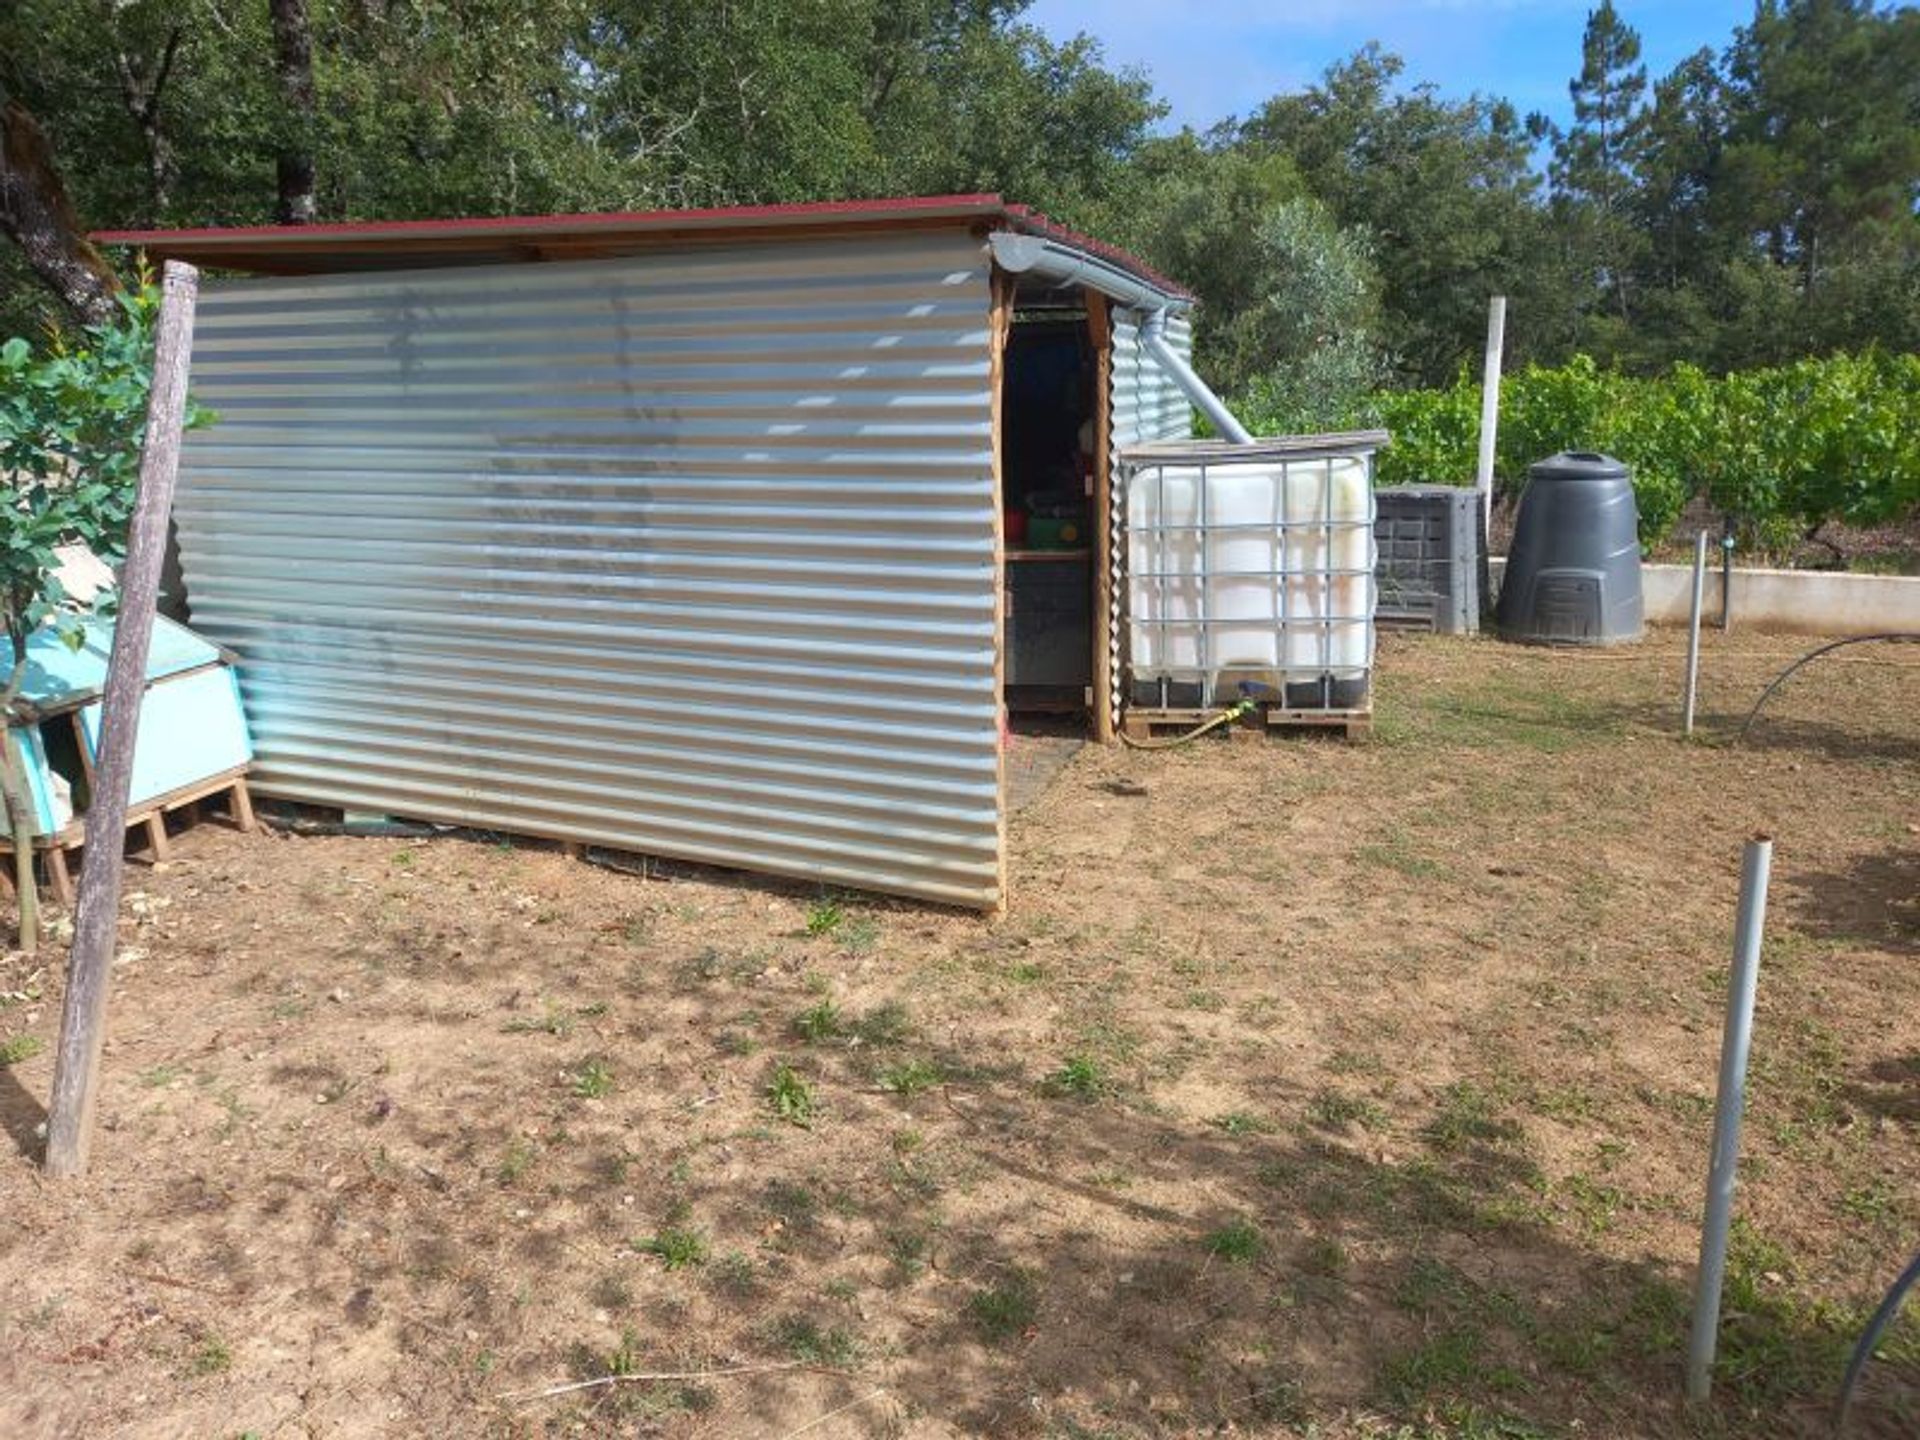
<point x="1573" y="570"/>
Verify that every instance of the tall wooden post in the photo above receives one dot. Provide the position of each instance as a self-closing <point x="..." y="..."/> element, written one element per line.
<point x="76" y="1078"/>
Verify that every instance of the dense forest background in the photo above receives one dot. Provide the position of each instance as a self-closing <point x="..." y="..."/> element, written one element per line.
<point x="1755" y="205"/>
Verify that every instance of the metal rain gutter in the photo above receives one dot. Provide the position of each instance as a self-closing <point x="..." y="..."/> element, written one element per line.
<point x="1049" y="260"/>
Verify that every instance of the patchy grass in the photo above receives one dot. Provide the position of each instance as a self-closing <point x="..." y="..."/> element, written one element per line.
<point x="1004" y="1310"/>
<point x="593" y="1079"/>
<point x="19" y="1048"/>
<point x="1338" y="1110"/>
<point x="806" y="1340"/>
<point x="676" y="1247"/>
<point x="818" y="1023"/>
<point x="1305" y="1088"/>
<point x="1237" y="1240"/>
<point x="911" y="1077"/>
<point x="1080" y="1077"/>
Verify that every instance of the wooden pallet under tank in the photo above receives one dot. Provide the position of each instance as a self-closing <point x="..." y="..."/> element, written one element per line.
<point x="1142" y="723"/>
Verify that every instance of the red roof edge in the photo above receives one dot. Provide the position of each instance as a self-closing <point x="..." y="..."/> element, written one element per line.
<point x="370" y="233"/>
<point x="572" y="223"/>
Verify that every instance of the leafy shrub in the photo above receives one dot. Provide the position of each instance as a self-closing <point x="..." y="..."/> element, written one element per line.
<point x="1785" y="450"/>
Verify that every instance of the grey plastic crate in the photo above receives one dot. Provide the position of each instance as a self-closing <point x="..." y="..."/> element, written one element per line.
<point x="1429" y="567"/>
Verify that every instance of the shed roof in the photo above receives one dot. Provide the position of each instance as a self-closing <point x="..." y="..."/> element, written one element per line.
<point x="484" y="240"/>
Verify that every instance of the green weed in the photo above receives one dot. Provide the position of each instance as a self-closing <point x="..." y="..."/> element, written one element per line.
<point x="1240" y="1122"/>
<point x="517" y="1160"/>
<point x="1336" y="1110"/>
<point x="21" y="1047"/>
<point x="802" y="1338"/>
<point x="824" y="916"/>
<point x="791" y="1097"/>
<point x="885" y="1024"/>
<point x="593" y="1080"/>
<point x="1467" y="1114"/>
<point x="552" y="1020"/>
<point x="1080" y="1076"/>
<point x="1238" y="1240"/>
<point x="212" y="1356"/>
<point x="818" y="1024"/>
<point x="1005" y="1310"/>
<point x="911" y="1078"/>
<point x="676" y="1247"/>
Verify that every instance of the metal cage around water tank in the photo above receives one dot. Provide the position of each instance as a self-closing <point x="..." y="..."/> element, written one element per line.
<point x="1248" y="571"/>
<point x="1573" y="569"/>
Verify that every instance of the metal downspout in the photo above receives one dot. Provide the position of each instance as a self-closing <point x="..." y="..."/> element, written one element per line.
<point x="1154" y="337"/>
<point x="1062" y="265"/>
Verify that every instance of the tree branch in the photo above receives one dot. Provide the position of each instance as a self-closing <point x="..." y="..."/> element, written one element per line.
<point x="37" y="215"/>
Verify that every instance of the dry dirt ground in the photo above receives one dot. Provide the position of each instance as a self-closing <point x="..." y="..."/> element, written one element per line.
<point x="1307" y="1089"/>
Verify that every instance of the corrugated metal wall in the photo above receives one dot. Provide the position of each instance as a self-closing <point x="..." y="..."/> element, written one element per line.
<point x="689" y="554"/>
<point x="1147" y="405"/>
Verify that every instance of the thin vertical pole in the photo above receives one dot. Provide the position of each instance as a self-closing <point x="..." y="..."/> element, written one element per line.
<point x="1693" y="627"/>
<point x="76" y="1075"/>
<point x="1726" y="578"/>
<point x="1755" y="865"/>
<point x="1490" y="409"/>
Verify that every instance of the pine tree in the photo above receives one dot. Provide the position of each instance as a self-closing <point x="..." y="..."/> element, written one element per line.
<point x="1596" y="162"/>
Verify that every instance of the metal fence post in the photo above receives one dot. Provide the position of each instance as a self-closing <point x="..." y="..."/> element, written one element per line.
<point x="1693" y="627"/>
<point x="1755" y="866"/>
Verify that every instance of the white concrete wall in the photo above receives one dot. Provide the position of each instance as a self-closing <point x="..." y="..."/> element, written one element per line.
<point x="1814" y="602"/>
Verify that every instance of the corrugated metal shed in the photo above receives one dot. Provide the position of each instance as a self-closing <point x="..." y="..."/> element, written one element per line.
<point x="1147" y="406"/>
<point x="689" y="553"/>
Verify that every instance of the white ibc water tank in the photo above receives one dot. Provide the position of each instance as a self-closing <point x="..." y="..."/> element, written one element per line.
<point x="1250" y="571"/>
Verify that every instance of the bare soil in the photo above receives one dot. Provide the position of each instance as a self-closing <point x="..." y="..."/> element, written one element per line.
<point x="1307" y="1088"/>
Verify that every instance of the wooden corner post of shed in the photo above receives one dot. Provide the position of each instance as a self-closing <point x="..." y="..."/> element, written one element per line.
<point x="1000" y="329"/>
<point x="76" y="1079"/>
<point x="1100" y="336"/>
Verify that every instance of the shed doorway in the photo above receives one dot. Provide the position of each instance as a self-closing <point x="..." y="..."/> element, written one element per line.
<point x="1053" y="477"/>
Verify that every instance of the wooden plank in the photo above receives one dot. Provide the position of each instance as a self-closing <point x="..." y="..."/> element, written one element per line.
<point x="1143" y="723"/>
<point x="74" y="834"/>
<point x="76" y="1075"/>
<point x="156" y="827"/>
<point x="240" y="805"/>
<point x="1100" y="332"/>
<point x="59" y="878"/>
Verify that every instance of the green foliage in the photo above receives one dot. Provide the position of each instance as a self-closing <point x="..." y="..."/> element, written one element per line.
<point x="1786" y="450"/>
<point x="71" y="421"/>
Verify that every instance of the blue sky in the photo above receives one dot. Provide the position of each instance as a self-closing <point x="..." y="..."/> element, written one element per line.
<point x="1214" y="58"/>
